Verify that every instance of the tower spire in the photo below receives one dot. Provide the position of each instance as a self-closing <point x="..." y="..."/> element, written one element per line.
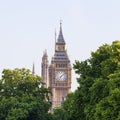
<point x="60" y="36"/>
<point x="33" y="69"/>
<point x="55" y="37"/>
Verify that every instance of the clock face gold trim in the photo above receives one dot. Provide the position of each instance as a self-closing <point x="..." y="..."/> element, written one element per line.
<point x="61" y="76"/>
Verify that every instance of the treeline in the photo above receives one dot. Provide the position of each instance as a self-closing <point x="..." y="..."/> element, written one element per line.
<point x="22" y="96"/>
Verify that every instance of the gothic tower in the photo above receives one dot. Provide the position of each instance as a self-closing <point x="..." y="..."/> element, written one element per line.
<point x="58" y="75"/>
<point x="60" y="72"/>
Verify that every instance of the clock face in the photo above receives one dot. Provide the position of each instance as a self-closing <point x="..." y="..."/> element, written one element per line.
<point x="61" y="76"/>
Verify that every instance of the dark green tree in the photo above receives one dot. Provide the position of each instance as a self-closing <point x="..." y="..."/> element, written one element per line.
<point x="22" y="96"/>
<point x="94" y="81"/>
<point x="59" y="114"/>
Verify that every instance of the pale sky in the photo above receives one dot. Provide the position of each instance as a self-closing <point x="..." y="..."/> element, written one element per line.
<point x="27" y="28"/>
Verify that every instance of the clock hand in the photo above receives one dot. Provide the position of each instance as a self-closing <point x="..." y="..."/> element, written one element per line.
<point x="61" y="76"/>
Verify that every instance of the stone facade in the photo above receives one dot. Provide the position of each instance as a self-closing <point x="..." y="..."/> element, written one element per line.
<point x="57" y="74"/>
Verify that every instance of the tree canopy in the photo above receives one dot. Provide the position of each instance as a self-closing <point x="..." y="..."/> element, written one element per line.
<point x="22" y="96"/>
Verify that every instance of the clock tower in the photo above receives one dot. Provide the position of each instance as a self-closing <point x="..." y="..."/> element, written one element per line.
<point x="59" y="72"/>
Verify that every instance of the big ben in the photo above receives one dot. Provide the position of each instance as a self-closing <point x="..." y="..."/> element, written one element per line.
<point x="57" y="75"/>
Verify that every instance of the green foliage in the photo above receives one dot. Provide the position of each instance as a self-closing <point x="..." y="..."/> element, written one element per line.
<point x="59" y="114"/>
<point x="22" y="97"/>
<point x="98" y="97"/>
<point x="109" y="107"/>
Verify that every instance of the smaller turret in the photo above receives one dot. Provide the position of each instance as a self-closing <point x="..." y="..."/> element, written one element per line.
<point x="33" y="69"/>
<point x="44" y="71"/>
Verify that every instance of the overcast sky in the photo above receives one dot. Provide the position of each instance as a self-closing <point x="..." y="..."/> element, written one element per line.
<point x="27" y="28"/>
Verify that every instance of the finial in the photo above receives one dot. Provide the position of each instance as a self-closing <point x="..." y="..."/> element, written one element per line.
<point x="45" y="51"/>
<point x="60" y="23"/>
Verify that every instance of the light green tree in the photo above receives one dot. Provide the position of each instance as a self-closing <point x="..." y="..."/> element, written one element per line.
<point x="22" y="96"/>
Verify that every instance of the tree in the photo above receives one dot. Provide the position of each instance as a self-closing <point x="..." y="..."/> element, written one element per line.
<point x="59" y="114"/>
<point x="109" y="107"/>
<point x="67" y="106"/>
<point x="94" y="82"/>
<point x="22" y="96"/>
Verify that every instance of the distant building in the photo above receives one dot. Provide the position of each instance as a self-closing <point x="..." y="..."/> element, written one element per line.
<point x="57" y="74"/>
